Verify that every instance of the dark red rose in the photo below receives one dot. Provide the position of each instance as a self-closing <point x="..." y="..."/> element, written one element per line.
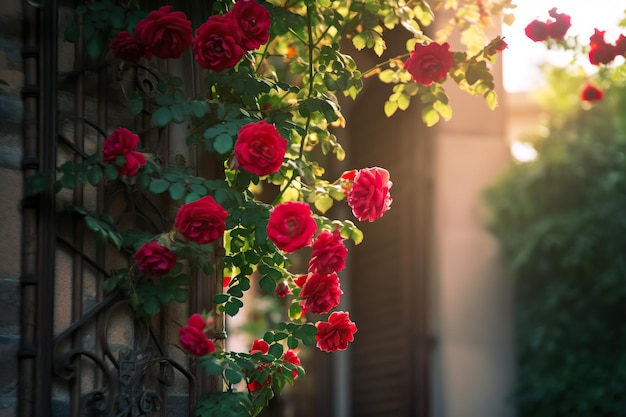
<point x="282" y="289"/>
<point x="291" y="226"/>
<point x="429" y="63"/>
<point x="329" y="253"/>
<point x="201" y="221"/>
<point x="591" y="93"/>
<point x="537" y="31"/>
<point x="127" y="47"/>
<point x="320" y="293"/>
<point x="165" y="34"/>
<point x="601" y="52"/>
<point x="336" y="333"/>
<point x="192" y="337"/>
<point x="123" y="142"/>
<point x="254" y="21"/>
<point x="497" y="45"/>
<point x="218" y="43"/>
<point x="369" y="197"/>
<point x="154" y="259"/>
<point x="259" y="148"/>
<point x="559" y="27"/>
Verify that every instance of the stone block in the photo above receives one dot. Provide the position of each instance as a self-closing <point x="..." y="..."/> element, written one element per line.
<point x="10" y="302"/>
<point x="8" y="365"/>
<point x="10" y="221"/>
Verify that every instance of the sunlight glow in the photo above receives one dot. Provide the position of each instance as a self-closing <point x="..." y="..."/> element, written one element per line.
<point x="523" y="151"/>
<point x="522" y="58"/>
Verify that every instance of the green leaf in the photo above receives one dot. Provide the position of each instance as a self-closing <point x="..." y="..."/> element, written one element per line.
<point x="232" y="376"/>
<point x="430" y="116"/>
<point x="276" y="350"/>
<point x="390" y="108"/>
<point x="295" y="311"/>
<point x="267" y="284"/>
<point x="159" y="186"/>
<point x="223" y="144"/>
<point x="71" y="33"/>
<point x="162" y="116"/>
<point x="135" y="105"/>
<point x="110" y="171"/>
<point x="94" y="175"/>
<point x="388" y="76"/>
<point x="177" y="190"/>
<point x="221" y="298"/>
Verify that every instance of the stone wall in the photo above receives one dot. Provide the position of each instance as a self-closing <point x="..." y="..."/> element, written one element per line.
<point x="11" y="82"/>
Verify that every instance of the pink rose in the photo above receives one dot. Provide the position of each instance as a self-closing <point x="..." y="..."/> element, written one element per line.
<point x="192" y="337"/>
<point x="122" y="142"/>
<point x="154" y="259"/>
<point x="369" y="197"/>
<point x="217" y="44"/>
<point x="591" y="93"/>
<point x="537" y="31"/>
<point x="127" y="47"/>
<point x="320" y="293"/>
<point x="559" y="27"/>
<point x="336" y="333"/>
<point x="291" y="226"/>
<point x="254" y="21"/>
<point x="329" y="253"/>
<point x="201" y="221"/>
<point x="259" y="148"/>
<point x="259" y="346"/>
<point x="165" y="34"/>
<point x="429" y="63"/>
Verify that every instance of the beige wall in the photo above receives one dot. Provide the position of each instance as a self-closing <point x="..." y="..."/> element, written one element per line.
<point x="473" y="359"/>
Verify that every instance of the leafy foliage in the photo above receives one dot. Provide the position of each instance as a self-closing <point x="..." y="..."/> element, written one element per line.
<point x="561" y="221"/>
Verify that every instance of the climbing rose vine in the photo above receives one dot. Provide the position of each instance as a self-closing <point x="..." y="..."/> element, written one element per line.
<point x="272" y="74"/>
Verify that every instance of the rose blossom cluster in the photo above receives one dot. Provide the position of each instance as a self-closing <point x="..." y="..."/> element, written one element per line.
<point x="262" y="347"/>
<point x="555" y="28"/>
<point x="219" y="43"/>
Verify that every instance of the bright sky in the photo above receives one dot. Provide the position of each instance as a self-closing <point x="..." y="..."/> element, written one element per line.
<point x="522" y="57"/>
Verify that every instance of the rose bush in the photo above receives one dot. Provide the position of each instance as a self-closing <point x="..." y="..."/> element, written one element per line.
<point x="265" y="118"/>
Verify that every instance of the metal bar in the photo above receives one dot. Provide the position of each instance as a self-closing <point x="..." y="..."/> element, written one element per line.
<point x="47" y="234"/>
<point x="28" y="280"/>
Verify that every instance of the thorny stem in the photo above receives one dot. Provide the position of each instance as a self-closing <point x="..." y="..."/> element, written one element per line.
<point x="376" y="67"/>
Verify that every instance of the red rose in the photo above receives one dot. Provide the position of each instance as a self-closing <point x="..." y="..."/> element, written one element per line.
<point x="192" y="337"/>
<point x="259" y="346"/>
<point x="165" y="34"/>
<point x="369" y="197"/>
<point x="254" y="21"/>
<point x="329" y="253"/>
<point x="320" y="293"/>
<point x="217" y="44"/>
<point x="154" y="259"/>
<point x="259" y="148"/>
<point x="537" y="31"/>
<point x="346" y="180"/>
<point x="282" y="289"/>
<point x="336" y="333"/>
<point x="429" y="63"/>
<point x="601" y="52"/>
<point x="127" y="47"/>
<point x="291" y="226"/>
<point x="201" y="221"/>
<point x="591" y="93"/>
<point x="291" y="357"/>
<point x="559" y="27"/>
<point x="123" y="142"/>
